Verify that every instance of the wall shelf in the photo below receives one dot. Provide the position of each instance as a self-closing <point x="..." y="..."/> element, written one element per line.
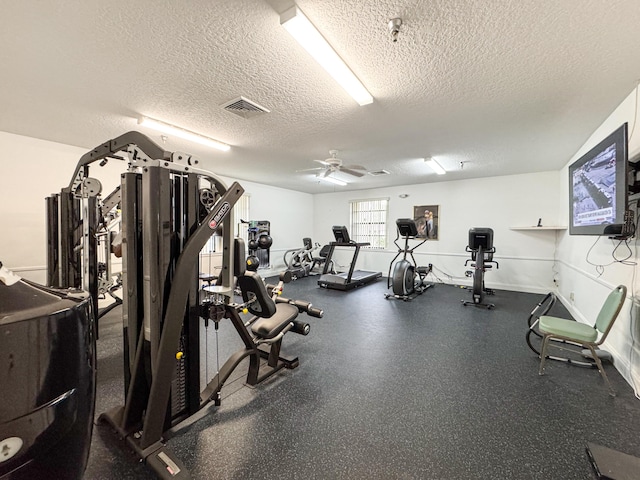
<point x="538" y="228"/>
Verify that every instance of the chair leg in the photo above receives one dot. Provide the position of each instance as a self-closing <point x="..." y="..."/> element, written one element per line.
<point x="612" y="392"/>
<point x="543" y="354"/>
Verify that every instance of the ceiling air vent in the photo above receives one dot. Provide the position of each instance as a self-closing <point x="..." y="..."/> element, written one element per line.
<point x="379" y="172"/>
<point x="244" y="107"/>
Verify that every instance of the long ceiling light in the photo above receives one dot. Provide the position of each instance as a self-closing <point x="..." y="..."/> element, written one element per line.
<point x="333" y="180"/>
<point x="313" y="42"/>
<point x="182" y="133"/>
<point x="435" y="166"/>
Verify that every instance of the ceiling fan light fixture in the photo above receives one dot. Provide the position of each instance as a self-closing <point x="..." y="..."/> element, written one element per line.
<point x="335" y="181"/>
<point x="182" y="133"/>
<point x="435" y="166"/>
<point x="300" y="28"/>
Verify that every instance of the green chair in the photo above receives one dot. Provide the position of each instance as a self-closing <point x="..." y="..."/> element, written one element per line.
<point x="553" y="328"/>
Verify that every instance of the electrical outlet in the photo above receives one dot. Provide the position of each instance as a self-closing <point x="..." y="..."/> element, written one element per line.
<point x="572" y="297"/>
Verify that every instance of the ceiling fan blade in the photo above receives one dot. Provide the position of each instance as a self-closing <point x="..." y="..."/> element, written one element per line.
<point x="322" y="162"/>
<point x="310" y="169"/>
<point x="351" y="172"/>
<point x="355" y="167"/>
<point x="327" y="172"/>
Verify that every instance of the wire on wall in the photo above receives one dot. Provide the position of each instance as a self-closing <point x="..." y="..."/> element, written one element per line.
<point x="633" y="321"/>
<point x="635" y="114"/>
<point x="600" y="267"/>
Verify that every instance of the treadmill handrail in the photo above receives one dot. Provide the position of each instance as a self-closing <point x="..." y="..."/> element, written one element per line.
<point x="354" y="259"/>
<point x="349" y="244"/>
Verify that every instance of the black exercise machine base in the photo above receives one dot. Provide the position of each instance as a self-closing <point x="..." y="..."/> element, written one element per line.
<point x="488" y="306"/>
<point x="408" y="298"/>
<point x="275" y="362"/>
<point x="339" y="281"/>
<point x="158" y="457"/>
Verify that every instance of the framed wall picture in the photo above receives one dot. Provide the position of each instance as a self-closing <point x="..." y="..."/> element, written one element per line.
<point x="427" y="219"/>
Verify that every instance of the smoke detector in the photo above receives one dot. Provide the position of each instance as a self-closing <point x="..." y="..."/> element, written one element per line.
<point x="244" y="107"/>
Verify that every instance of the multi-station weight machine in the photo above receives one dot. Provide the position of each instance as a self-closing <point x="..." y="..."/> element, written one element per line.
<point x="164" y="225"/>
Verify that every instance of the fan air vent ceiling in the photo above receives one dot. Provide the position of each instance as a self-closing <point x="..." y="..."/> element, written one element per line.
<point x="244" y="107"/>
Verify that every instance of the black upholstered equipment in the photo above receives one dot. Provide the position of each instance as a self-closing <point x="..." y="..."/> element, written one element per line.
<point x="322" y="257"/>
<point x="274" y="317"/>
<point x="270" y="327"/>
<point x="239" y="257"/>
<point x="252" y="287"/>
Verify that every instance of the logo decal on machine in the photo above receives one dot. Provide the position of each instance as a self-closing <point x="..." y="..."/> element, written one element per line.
<point x="217" y="218"/>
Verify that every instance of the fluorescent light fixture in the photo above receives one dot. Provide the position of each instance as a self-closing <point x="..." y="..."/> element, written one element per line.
<point x="435" y="166"/>
<point x="333" y="180"/>
<point x="313" y="42"/>
<point x="182" y="133"/>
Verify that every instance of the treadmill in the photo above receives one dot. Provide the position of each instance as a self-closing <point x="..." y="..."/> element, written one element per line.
<point x="346" y="280"/>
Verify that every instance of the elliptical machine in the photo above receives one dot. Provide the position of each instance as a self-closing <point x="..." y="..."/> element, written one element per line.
<point x="299" y="261"/>
<point x="482" y="250"/>
<point x="408" y="279"/>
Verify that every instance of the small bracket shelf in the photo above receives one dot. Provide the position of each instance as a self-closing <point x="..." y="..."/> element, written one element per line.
<point x="634" y="168"/>
<point x="538" y="228"/>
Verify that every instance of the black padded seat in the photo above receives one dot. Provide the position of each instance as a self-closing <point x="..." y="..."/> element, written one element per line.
<point x="268" y="328"/>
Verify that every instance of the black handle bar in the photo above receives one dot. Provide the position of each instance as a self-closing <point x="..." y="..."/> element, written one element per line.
<point x="302" y="306"/>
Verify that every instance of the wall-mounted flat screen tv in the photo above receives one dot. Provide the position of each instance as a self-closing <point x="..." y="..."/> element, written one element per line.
<point x="598" y="186"/>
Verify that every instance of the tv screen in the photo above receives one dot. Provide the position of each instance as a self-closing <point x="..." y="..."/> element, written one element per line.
<point x="598" y="186"/>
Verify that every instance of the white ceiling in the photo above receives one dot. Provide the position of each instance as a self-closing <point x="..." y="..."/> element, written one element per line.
<point x="504" y="86"/>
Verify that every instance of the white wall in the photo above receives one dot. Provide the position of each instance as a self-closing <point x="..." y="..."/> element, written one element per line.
<point x="578" y="276"/>
<point x="32" y="169"/>
<point x="526" y="258"/>
<point x="290" y="214"/>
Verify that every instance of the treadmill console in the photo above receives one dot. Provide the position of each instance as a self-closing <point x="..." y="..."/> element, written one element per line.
<point x="341" y="234"/>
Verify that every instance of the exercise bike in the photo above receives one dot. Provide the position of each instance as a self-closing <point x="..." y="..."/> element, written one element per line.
<point x="482" y="250"/>
<point x="408" y="279"/>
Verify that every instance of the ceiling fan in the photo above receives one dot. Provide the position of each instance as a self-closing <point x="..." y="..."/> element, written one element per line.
<point x="334" y="164"/>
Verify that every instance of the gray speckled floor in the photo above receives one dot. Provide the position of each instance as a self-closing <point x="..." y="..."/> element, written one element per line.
<point x="392" y="390"/>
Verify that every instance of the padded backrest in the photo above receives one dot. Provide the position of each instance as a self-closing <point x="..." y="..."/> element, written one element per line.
<point x="239" y="260"/>
<point x="239" y="257"/>
<point x="252" y="288"/>
<point x="324" y="251"/>
<point x="488" y="256"/>
<point x="610" y="310"/>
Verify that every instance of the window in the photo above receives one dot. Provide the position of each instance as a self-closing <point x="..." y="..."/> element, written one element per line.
<point x="368" y="219"/>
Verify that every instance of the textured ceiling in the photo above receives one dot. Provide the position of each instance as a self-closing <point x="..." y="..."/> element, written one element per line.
<point x="504" y="86"/>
